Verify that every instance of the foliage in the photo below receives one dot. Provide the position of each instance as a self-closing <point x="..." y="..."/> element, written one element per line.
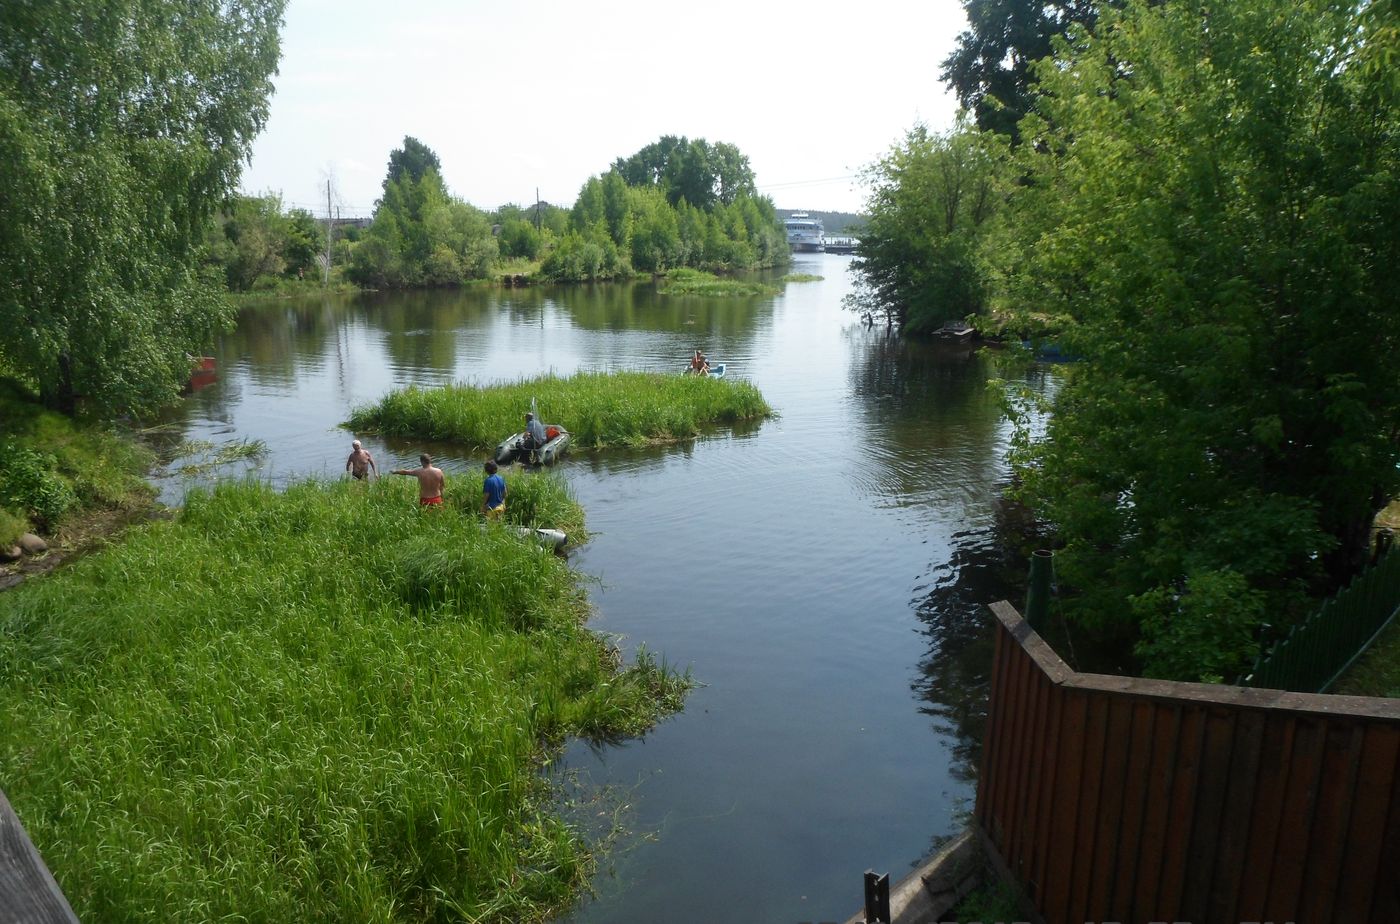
<point x="317" y="705"/>
<point x="708" y="285"/>
<point x="1208" y="216"/>
<point x="931" y="203"/>
<point x="52" y="466"/>
<point x="414" y="160"/>
<point x="598" y="409"/>
<point x="990" y="69"/>
<point x="675" y="203"/>
<point x="30" y="485"/>
<point x="695" y="171"/>
<point x="1204" y="630"/>
<point x="421" y="236"/>
<point x="256" y="243"/>
<point x="123" y="125"/>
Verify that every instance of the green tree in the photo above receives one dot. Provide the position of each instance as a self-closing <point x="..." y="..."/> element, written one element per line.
<point x="422" y="236"/>
<point x="413" y="160"/>
<point x="990" y="67"/>
<point x="1209" y="215"/>
<point x="123" y="125"/>
<point x="932" y="198"/>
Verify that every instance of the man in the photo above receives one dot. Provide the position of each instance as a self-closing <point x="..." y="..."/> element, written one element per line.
<point x="430" y="481"/>
<point x="493" y="493"/>
<point x="534" y="433"/>
<point x="360" y="462"/>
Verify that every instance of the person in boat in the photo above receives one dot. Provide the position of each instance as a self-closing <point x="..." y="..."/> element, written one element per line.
<point x="360" y="462"/>
<point x="699" y="365"/>
<point x="493" y="493"/>
<point x="535" y="436"/>
<point x="430" y="481"/>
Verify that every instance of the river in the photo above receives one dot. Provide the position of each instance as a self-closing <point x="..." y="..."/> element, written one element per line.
<point x="823" y="574"/>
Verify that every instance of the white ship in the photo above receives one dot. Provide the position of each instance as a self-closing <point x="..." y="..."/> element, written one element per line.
<point x="804" y="233"/>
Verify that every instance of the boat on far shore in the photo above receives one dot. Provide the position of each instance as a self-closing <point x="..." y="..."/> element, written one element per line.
<point x="804" y="233"/>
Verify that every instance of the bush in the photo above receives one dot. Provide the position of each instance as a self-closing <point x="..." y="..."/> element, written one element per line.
<point x="29" y="484"/>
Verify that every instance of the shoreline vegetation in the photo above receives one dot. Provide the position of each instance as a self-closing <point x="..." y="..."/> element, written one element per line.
<point x="314" y="704"/>
<point x="599" y="409"/>
<point x="708" y="285"/>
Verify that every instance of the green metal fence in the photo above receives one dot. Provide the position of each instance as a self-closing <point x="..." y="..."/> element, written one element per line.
<point x="1316" y="651"/>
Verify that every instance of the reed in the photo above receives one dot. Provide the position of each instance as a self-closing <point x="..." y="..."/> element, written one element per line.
<point x="599" y="409"/>
<point x="320" y="705"/>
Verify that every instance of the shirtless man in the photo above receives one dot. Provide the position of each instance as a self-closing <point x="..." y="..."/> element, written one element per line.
<point x="430" y="481"/>
<point x="360" y="462"/>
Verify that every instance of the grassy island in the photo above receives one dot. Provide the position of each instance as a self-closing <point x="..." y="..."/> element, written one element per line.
<point x="599" y="408"/>
<point x="699" y="282"/>
<point x="318" y="705"/>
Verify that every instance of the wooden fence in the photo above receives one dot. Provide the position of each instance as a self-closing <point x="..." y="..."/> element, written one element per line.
<point x="1123" y="799"/>
<point x="1316" y="652"/>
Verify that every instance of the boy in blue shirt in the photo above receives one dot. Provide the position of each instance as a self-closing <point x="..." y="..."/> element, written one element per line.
<point x="493" y="493"/>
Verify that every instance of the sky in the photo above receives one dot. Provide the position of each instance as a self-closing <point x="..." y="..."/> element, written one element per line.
<point x="519" y="95"/>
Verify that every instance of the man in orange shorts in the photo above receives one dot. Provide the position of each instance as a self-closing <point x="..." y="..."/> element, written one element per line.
<point x="430" y="481"/>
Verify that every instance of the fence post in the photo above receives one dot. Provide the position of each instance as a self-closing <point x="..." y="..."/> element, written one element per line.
<point x="877" y="897"/>
<point x="1038" y="593"/>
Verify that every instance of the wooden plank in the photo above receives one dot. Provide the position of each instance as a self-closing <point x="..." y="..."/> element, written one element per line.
<point x="988" y="780"/>
<point x="1060" y="866"/>
<point x="1328" y="844"/>
<point x="1166" y="740"/>
<point x="28" y="892"/>
<point x="1050" y="781"/>
<point x="1370" y="809"/>
<point x="1035" y="754"/>
<point x="1296" y="821"/>
<point x="1091" y="797"/>
<point x="1235" y="819"/>
<point x="1385" y="904"/>
<point x="1176" y="847"/>
<point x="1212" y="789"/>
<point x="1008" y="764"/>
<point x="1021" y="761"/>
<point x="1270" y="789"/>
<point x="1140" y="746"/>
<point x="1118" y="739"/>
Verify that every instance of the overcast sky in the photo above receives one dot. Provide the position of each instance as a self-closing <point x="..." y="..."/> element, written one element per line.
<point x="515" y="95"/>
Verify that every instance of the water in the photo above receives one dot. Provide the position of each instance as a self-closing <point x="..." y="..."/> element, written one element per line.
<point x="822" y="574"/>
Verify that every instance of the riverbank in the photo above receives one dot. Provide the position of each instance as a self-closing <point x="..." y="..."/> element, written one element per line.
<point x="63" y="479"/>
<point x="599" y="409"/>
<point x="315" y="704"/>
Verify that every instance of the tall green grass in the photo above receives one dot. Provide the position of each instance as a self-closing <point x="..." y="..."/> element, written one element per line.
<point x="598" y="408"/>
<point x="685" y="281"/>
<point x="320" y="705"/>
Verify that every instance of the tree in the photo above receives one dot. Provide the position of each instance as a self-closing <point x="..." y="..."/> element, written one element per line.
<point x="1209" y="217"/>
<point x="930" y="203"/>
<point x="989" y="69"/>
<point x="123" y="125"/>
<point x="413" y="160"/>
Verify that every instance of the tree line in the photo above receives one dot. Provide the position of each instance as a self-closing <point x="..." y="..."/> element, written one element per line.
<point x="676" y="203"/>
<point x="1199" y="201"/>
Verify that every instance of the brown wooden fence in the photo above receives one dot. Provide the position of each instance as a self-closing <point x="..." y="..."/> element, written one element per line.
<point x="1123" y="799"/>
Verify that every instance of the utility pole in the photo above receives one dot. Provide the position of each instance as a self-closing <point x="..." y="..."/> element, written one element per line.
<point x="330" y="230"/>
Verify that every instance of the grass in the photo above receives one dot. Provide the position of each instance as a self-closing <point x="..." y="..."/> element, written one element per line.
<point x="698" y="282"/>
<point x="319" y="705"/>
<point x="801" y="277"/>
<point x="599" y="409"/>
<point x="1377" y="672"/>
<point x="54" y="469"/>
